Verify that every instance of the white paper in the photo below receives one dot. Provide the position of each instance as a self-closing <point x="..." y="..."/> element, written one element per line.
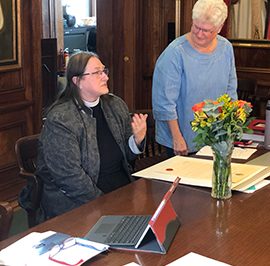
<point x="238" y="153"/>
<point x="27" y="253"/>
<point x="132" y="264"/>
<point x="262" y="160"/>
<point x="257" y="186"/>
<point x="82" y="251"/>
<point x="23" y="248"/>
<point x="198" y="172"/>
<point x="193" y="259"/>
<point x="254" y="137"/>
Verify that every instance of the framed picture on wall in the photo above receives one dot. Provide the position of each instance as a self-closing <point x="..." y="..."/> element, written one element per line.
<point x="10" y="41"/>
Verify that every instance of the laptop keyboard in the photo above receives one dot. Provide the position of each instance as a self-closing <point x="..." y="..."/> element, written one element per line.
<point x="128" y="231"/>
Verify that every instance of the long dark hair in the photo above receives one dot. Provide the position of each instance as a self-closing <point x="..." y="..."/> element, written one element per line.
<point x="75" y="68"/>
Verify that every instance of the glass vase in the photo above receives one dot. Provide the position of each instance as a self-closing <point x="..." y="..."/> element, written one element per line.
<point x="222" y="174"/>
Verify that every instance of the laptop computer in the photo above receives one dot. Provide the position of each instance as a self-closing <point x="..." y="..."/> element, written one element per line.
<point x="139" y="232"/>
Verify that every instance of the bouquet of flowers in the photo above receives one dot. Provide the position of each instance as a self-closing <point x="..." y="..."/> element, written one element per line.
<point x="219" y="123"/>
<point x="220" y="120"/>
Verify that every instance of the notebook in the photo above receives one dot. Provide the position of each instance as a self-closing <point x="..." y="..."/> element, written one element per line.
<point x="139" y="232"/>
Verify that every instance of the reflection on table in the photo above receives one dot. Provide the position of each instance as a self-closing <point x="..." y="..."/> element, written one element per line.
<point x="235" y="231"/>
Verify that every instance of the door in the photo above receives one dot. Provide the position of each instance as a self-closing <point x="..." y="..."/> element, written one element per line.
<point x="117" y="26"/>
<point x="130" y="36"/>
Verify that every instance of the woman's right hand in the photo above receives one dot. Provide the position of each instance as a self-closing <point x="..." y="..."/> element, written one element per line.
<point x="180" y="146"/>
<point x="179" y="143"/>
<point x="139" y="127"/>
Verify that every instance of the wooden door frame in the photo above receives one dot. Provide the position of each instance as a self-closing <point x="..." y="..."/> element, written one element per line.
<point x="186" y="16"/>
<point x="117" y="45"/>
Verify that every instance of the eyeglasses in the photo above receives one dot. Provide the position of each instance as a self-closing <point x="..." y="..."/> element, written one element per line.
<point x="98" y="73"/>
<point x="68" y="243"/>
<point x="197" y="29"/>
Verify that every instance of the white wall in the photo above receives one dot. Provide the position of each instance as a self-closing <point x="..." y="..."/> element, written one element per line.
<point x="78" y="8"/>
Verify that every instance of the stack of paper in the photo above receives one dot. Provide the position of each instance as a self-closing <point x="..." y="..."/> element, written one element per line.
<point x="238" y="153"/>
<point x="263" y="160"/>
<point x="198" y="172"/>
<point x="36" y="249"/>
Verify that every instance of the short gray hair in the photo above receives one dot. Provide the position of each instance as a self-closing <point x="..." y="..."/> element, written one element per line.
<point x="211" y="11"/>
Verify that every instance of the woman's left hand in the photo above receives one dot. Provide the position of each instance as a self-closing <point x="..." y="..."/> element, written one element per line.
<point x="139" y="127"/>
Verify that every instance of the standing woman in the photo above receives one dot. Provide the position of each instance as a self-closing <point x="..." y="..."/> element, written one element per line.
<point x="196" y="66"/>
<point x="88" y="139"/>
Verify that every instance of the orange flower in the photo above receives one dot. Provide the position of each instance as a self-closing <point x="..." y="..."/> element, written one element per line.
<point x="220" y="120"/>
<point x="241" y="103"/>
<point x="249" y="104"/>
<point x="198" y="107"/>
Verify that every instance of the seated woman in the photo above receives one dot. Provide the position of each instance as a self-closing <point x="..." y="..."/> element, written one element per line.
<point x="88" y="139"/>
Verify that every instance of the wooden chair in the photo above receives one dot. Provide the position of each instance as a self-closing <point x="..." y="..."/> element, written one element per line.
<point x="154" y="152"/>
<point x="26" y="149"/>
<point x="6" y="214"/>
<point x="246" y="90"/>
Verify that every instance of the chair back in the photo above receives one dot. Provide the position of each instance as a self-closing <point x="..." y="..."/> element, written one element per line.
<point x="6" y="214"/>
<point x="26" y="152"/>
<point x="26" y="149"/>
<point x="246" y="89"/>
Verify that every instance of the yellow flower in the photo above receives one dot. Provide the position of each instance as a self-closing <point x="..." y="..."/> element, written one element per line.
<point x="203" y="124"/>
<point x="241" y="114"/>
<point x="220" y="119"/>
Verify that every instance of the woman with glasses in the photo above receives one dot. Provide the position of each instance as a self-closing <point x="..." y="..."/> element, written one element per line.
<point x="88" y="140"/>
<point x="196" y="66"/>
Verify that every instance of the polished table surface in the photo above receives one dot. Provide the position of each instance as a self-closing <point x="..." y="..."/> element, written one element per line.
<point x="235" y="231"/>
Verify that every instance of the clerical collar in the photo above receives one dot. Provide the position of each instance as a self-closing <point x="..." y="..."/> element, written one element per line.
<point x="91" y="104"/>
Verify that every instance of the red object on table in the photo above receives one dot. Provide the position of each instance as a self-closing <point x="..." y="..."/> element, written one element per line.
<point x="258" y="125"/>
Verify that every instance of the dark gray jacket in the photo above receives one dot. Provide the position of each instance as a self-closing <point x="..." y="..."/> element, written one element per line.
<point x="68" y="161"/>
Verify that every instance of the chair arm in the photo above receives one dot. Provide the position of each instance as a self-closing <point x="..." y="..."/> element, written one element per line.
<point x="27" y="175"/>
<point x="36" y="185"/>
<point x="6" y="214"/>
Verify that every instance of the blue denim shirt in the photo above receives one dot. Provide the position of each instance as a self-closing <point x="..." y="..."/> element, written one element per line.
<point x="184" y="77"/>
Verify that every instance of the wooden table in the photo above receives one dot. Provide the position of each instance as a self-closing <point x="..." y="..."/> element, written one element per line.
<point x="236" y="231"/>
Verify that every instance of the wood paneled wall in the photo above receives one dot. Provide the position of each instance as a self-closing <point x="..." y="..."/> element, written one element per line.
<point x="155" y="19"/>
<point x="52" y="21"/>
<point x="20" y="97"/>
<point x="186" y="15"/>
<point x="252" y="62"/>
<point x="251" y="59"/>
<point x="130" y="36"/>
<point x="130" y="42"/>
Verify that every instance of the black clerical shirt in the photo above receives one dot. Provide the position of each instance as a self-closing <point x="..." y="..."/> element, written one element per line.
<point x="112" y="174"/>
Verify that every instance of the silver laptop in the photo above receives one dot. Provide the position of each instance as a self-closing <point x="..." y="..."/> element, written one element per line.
<point x="130" y="231"/>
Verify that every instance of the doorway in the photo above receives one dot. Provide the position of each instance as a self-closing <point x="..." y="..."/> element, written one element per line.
<point x="79" y="24"/>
